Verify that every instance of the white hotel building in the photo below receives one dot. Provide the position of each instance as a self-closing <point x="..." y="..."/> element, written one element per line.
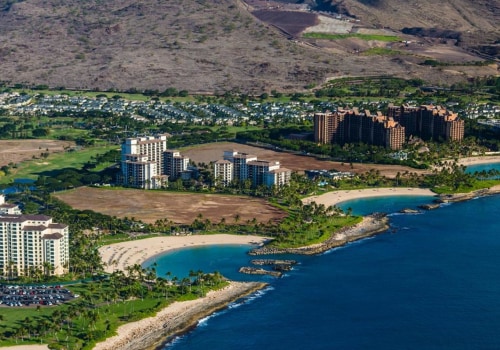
<point x="30" y="241"/>
<point x="241" y="166"/>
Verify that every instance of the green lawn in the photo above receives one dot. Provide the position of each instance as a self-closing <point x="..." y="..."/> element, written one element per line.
<point x="31" y="169"/>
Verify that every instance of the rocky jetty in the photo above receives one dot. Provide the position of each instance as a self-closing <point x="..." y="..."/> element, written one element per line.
<point x="461" y="197"/>
<point x="273" y="262"/>
<point x="278" y="265"/>
<point x="409" y="211"/>
<point x="371" y="225"/>
<point x="430" y="206"/>
<point x="257" y="271"/>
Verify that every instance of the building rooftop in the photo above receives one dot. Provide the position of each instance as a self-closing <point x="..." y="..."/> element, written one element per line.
<point x="53" y="236"/>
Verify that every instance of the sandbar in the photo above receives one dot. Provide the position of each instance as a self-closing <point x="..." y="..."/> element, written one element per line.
<point x="336" y="197"/>
<point x="118" y="256"/>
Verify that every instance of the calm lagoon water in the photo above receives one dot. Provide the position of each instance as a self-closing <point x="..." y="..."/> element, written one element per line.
<point x="431" y="282"/>
<point x="481" y="167"/>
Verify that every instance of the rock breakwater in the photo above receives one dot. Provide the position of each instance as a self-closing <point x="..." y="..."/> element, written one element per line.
<point x="371" y="225"/>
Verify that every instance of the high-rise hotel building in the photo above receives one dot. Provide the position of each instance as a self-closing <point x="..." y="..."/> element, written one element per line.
<point x="241" y="166"/>
<point x="429" y="122"/>
<point x="32" y="241"/>
<point x="147" y="163"/>
<point x="142" y="161"/>
<point x="352" y="126"/>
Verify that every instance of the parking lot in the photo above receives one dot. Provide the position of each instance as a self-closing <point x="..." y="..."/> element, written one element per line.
<point x="15" y="296"/>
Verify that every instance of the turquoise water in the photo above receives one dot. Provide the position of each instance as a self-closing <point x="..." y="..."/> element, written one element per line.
<point x="481" y="167"/>
<point x="431" y="282"/>
<point x="390" y="204"/>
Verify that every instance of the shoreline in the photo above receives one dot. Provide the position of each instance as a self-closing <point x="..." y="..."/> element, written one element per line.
<point x="337" y="197"/>
<point x="486" y="159"/>
<point x="461" y="197"/>
<point x="176" y="319"/>
<point x="180" y="317"/>
<point x="118" y="256"/>
<point x="370" y="225"/>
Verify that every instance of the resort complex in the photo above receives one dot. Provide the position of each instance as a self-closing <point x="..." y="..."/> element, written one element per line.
<point x="147" y="163"/>
<point x="32" y="242"/>
<point x="352" y="126"/>
<point x="241" y="167"/>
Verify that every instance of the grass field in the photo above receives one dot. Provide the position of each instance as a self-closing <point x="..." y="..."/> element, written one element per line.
<point x="31" y="169"/>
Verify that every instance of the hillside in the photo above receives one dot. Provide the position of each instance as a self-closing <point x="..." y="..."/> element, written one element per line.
<point x="196" y="45"/>
<point x="474" y="22"/>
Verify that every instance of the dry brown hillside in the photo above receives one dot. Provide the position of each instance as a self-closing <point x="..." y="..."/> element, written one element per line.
<point x="197" y="45"/>
<point x="474" y="22"/>
<point x="459" y="15"/>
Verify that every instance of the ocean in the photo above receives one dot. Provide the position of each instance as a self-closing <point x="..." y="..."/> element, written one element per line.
<point x="432" y="281"/>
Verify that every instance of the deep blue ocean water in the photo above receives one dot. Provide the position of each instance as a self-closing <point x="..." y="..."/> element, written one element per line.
<point x="431" y="282"/>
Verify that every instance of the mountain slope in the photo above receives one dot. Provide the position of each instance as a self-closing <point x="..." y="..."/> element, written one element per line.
<point x="197" y="45"/>
<point x="475" y="20"/>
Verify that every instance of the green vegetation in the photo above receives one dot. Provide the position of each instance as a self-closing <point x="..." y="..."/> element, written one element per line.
<point x="102" y="307"/>
<point x="383" y="86"/>
<point x="171" y="94"/>
<point x="55" y="163"/>
<point x="377" y="37"/>
<point x="106" y="304"/>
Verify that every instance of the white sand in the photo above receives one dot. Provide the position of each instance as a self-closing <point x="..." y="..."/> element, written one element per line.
<point x="479" y="160"/>
<point x="136" y="335"/>
<point x="120" y="255"/>
<point x="336" y="197"/>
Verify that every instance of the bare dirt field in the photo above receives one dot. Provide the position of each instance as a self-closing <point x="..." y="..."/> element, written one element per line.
<point x="291" y="22"/>
<point x="15" y="151"/>
<point x="214" y="151"/>
<point x="181" y="208"/>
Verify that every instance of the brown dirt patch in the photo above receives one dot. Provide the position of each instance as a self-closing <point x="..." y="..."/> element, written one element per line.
<point x="15" y="151"/>
<point x="214" y="151"/>
<point x="291" y="22"/>
<point x="181" y="208"/>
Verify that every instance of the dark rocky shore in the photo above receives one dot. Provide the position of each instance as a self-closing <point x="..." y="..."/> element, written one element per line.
<point x="371" y="225"/>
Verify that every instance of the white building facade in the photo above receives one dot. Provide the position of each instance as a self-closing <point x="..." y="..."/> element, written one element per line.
<point x="32" y="241"/>
<point x="142" y="161"/>
<point x="223" y="172"/>
<point x="248" y="167"/>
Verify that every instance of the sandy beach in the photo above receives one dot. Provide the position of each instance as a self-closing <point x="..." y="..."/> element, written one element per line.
<point x="120" y="255"/>
<point x="336" y="197"/>
<point x="175" y="319"/>
<point x="480" y="160"/>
